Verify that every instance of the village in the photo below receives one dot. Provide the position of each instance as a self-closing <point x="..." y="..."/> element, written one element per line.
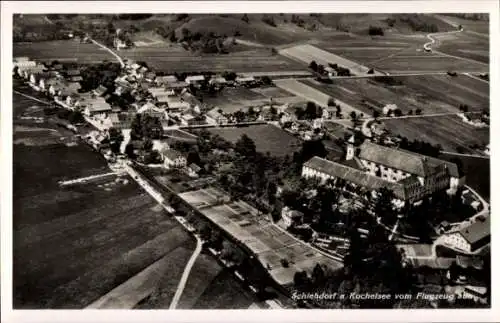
<point x="146" y="124"/>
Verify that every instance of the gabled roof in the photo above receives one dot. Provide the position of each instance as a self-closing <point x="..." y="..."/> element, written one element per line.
<point x="171" y="154"/>
<point x="166" y="79"/>
<point x="406" y="161"/>
<point x="355" y="176"/>
<point x="73" y="72"/>
<point x="477" y="230"/>
<point x="195" y="78"/>
<point x="195" y="167"/>
<point x="149" y="107"/>
<point x="176" y="85"/>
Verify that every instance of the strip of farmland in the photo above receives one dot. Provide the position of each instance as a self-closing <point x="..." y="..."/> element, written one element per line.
<point x="448" y="131"/>
<point x="401" y="65"/>
<point x="174" y="59"/>
<point x="62" y="50"/>
<point x="311" y="94"/>
<point x="308" y="53"/>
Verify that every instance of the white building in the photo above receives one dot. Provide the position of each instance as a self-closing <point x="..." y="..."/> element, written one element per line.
<point x="291" y="217"/>
<point x="410" y="176"/>
<point x="173" y="159"/>
<point x="215" y="117"/>
<point x="194" y="79"/>
<point x="470" y="238"/>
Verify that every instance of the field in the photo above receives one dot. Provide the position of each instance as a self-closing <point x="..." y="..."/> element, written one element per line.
<point x="309" y="92"/>
<point x="452" y="90"/>
<point x="467" y="45"/>
<point x="171" y="59"/>
<point x="308" y="53"/>
<point x="105" y="243"/>
<point x="214" y="287"/>
<point x="477" y="26"/>
<point x="267" y="138"/>
<point x="63" y="51"/>
<point x="448" y="131"/>
<point x="430" y="93"/>
<point x="432" y="63"/>
<point x="233" y="99"/>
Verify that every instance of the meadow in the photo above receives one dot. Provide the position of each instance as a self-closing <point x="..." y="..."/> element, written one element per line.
<point x="267" y="138"/>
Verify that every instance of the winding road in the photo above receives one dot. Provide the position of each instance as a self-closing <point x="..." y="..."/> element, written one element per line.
<point x="120" y="60"/>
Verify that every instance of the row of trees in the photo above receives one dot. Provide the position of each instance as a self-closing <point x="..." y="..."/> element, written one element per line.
<point x="416" y="22"/>
<point x="375" y="31"/>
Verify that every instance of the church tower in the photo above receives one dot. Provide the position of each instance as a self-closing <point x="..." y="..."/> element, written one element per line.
<point x="350" y="148"/>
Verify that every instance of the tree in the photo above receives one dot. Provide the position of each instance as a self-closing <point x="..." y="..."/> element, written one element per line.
<point x="172" y="38"/>
<point x="318" y="275"/>
<point x="301" y="280"/>
<point x="245" y="146"/>
<point x="115" y="139"/>
<point x="193" y="157"/>
<point x="266" y="80"/>
<point x="353" y="116"/>
<point x="418" y="112"/>
<point x="331" y="102"/>
<point x="313" y="65"/>
<point x="153" y="157"/>
<point x="147" y="145"/>
<point x="245" y="18"/>
<point x="186" y="34"/>
<point x="376" y="114"/>
<point x="76" y="117"/>
<point x="205" y="233"/>
<point x="311" y="111"/>
<point x="375" y="31"/>
<point x="129" y="150"/>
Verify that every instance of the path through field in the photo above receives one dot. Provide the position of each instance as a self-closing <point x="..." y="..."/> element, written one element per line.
<point x="185" y="274"/>
<point x="31" y="97"/>
<point x="120" y="60"/>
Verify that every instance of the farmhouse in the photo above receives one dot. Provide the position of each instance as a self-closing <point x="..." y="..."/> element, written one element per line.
<point x="195" y="79"/>
<point x="100" y="91"/>
<point x="219" y="80"/>
<point x="150" y="76"/>
<point x="121" y="120"/>
<point x="193" y="170"/>
<point x="291" y="217"/>
<point x="176" y="86"/>
<point x="23" y="62"/>
<point x="152" y="110"/>
<point x="173" y="159"/>
<point x="164" y="80"/>
<point x="215" y="117"/>
<point x="389" y="108"/>
<point x="470" y="238"/>
<point x="410" y="176"/>
<point x="93" y="106"/>
<point x="245" y="80"/>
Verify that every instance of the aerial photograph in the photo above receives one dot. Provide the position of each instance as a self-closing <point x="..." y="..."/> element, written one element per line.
<point x="251" y="161"/>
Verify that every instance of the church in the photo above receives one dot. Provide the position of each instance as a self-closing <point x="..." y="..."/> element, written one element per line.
<point x="409" y="175"/>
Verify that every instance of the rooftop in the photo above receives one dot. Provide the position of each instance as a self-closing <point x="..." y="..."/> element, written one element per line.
<point x="406" y="161"/>
<point x="477" y="230"/>
<point x="171" y="154"/>
<point x="354" y="176"/>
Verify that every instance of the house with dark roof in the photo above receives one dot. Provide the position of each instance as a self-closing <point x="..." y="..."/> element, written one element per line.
<point x="410" y="176"/>
<point x="324" y="169"/>
<point x="470" y="238"/>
